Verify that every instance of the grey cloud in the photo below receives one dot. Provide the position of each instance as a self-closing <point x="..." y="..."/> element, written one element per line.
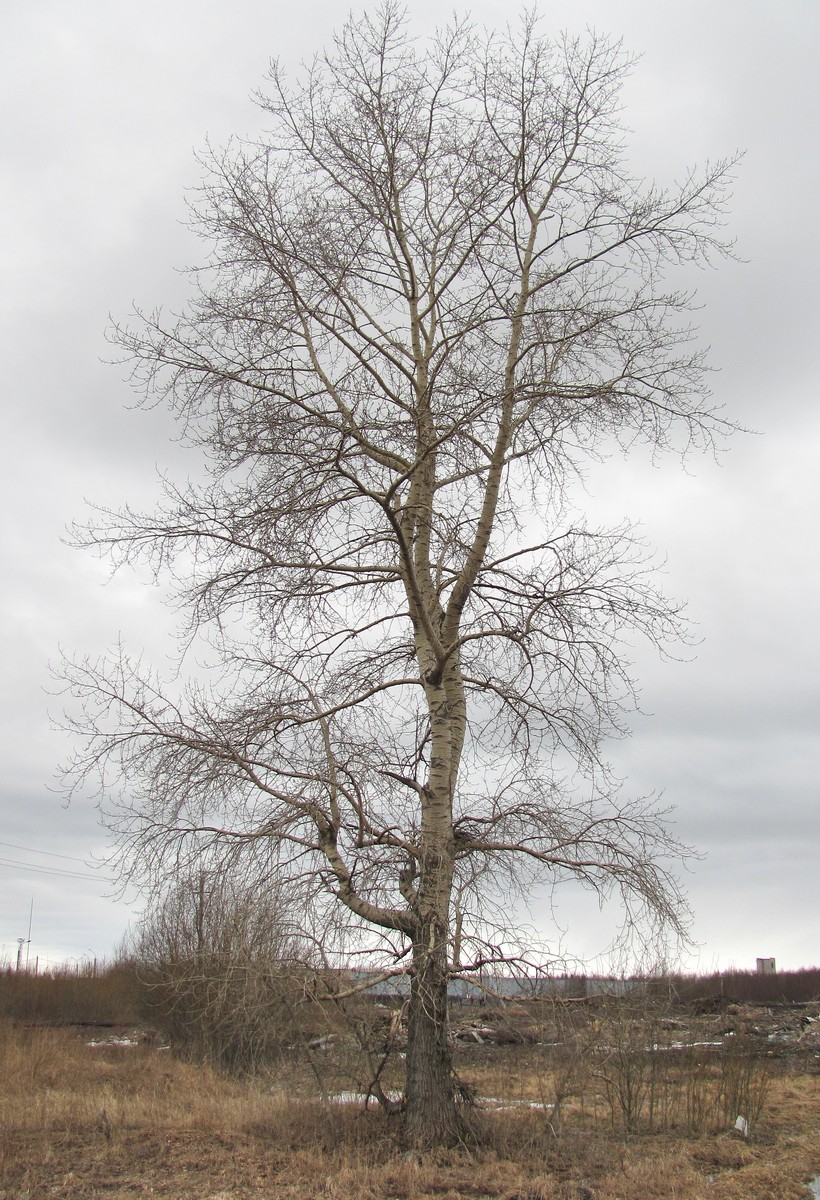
<point x="108" y="105"/>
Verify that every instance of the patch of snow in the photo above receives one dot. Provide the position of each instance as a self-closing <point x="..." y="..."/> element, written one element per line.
<point x="359" y="1097"/>
<point x="687" y="1046"/>
<point x="124" y="1041"/>
<point x="501" y="1105"/>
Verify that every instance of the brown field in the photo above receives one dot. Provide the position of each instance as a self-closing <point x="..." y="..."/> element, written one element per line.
<point x="612" y="1121"/>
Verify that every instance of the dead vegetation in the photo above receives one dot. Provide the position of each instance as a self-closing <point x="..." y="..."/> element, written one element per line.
<point x="599" y="1100"/>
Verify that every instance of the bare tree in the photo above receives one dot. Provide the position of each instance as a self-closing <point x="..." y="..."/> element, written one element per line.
<point x="433" y="291"/>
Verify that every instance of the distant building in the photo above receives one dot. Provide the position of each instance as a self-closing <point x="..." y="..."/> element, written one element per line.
<point x="496" y="988"/>
<point x="766" y="966"/>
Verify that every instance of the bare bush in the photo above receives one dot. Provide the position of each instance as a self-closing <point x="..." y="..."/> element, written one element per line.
<point x="657" y="1079"/>
<point x="222" y="971"/>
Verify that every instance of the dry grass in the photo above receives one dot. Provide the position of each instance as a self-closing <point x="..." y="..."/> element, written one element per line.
<point x="123" y="1122"/>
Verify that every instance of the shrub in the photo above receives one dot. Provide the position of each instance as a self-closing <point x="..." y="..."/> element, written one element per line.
<point x="221" y="974"/>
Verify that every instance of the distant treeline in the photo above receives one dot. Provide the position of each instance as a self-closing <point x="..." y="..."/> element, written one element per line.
<point x="72" y="995"/>
<point x="118" y="993"/>
<point x="795" y="987"/>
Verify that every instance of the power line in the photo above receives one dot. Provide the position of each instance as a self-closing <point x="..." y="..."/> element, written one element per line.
<point x="13" y="862"/>
<point x="49" y="853"/>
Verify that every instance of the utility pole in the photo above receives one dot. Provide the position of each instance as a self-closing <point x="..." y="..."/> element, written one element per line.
<point x="28" y="941"/>
<point x="21" y="942"/>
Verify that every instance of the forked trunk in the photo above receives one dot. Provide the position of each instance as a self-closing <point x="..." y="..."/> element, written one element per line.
<point x="433" y="1117"/>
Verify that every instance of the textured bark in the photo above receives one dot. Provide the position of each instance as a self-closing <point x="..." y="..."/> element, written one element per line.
<point x="433" y="1117"/>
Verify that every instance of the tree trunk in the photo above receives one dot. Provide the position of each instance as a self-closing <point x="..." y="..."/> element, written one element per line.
<point x="433" y="1117"/>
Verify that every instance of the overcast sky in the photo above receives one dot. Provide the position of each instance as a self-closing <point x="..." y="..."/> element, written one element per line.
<point x="104" y="105"/>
